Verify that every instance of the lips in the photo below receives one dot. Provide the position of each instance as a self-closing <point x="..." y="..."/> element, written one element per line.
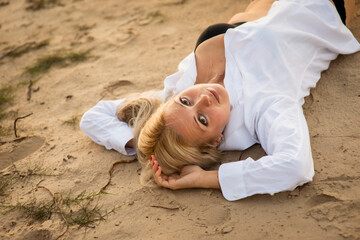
<point x="214" y="93"/>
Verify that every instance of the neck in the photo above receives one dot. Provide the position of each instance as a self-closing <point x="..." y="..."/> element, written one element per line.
<point x="210" y="61"/>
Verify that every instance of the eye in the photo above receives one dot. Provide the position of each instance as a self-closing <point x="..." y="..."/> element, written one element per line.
<point x="184" y="101"/>
<point x="203" y="120"/>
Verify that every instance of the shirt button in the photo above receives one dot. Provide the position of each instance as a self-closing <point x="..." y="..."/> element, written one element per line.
<point x="236" y="195"/>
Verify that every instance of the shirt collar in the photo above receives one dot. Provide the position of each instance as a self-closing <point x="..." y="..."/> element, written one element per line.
<point x="188" y="78"/>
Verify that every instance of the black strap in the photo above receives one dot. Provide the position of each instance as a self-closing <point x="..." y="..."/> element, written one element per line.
<point x="215" y="30"/>
<point x="339" y="4"/>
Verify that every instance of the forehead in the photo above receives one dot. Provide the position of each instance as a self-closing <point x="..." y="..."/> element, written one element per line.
<point x="176" y="114"/>
<point x="182" y="119"/>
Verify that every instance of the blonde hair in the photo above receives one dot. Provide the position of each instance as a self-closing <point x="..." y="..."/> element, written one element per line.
<point x="154" y="137"/>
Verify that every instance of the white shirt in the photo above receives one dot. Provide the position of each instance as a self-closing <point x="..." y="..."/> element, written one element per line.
<point x="271" y="64"/>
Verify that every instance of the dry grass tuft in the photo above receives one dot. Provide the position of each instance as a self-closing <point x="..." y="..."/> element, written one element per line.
<point x="44" y="64"/>
<point x="77" y="211"/>
<point x="18" y="51"/>
<point x="36" y="5"/>
<point x="38" y="211"/>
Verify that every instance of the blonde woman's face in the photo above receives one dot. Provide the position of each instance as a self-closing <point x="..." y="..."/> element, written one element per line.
<point x="199" y="113"/>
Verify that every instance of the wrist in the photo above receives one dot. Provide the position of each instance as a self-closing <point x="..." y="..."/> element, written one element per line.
<point x="210" y="179"/>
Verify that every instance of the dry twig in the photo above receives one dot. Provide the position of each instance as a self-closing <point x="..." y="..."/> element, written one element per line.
<point x="17" y="120"/>
<point x="168" y="208"/>
<point x="111" y="171"/>
<point x="29" y="90"/>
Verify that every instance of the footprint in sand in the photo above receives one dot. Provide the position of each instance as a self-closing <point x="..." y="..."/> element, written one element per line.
<point x="118" y="88"/>
<point x="125" y="36"/>
<point x="151" y="17"/>
<point x="14" y="151"/>
<point x="319" y="200"/>
<point x="213" y="216"/>
<point x="336" y="215"/>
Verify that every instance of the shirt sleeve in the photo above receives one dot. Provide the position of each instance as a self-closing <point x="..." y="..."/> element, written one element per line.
<point x="101" y="124"/>
<point x="283" y="134"/>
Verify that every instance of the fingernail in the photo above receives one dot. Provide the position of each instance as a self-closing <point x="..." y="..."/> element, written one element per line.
<point x="151" y="157"/>
<point x="153" y="163"/>
<point x="157" y="168"/>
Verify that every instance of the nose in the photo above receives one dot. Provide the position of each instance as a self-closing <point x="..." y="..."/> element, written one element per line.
<point x="204" y="100"/>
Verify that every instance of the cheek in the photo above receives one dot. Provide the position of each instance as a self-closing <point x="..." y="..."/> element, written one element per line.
<point x="219" y="119"/>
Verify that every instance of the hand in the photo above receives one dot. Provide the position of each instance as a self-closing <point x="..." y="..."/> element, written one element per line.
<point x="190" y="176"/>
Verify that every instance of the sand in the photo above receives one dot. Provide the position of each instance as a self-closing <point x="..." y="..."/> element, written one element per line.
<point x="133" y="46"/>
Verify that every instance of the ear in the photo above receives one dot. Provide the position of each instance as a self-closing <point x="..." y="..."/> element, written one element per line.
<point x="218" y="140"/>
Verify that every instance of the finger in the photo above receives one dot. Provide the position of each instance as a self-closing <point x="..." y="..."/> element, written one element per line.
<point x="155" y="169"/>
<point x="152" y="158"/>
<point x="158" y="177"/>
<point x="155" y="166"/>
<point x="158" y="173"/>
<point x="161" y="179"/>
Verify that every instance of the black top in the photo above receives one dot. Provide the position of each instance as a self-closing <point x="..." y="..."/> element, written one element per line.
<point x="215" y="30"/>
<point x="339" y="4"/>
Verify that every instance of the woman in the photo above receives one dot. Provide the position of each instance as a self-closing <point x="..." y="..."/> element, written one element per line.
<point x="245" y="83"/>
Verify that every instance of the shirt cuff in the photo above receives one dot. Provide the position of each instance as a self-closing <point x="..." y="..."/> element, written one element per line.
<point x="119" y="142"/>
<point x="231" y="181"/>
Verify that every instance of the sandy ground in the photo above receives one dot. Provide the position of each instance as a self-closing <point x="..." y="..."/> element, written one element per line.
<point x="133" y="46"/>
